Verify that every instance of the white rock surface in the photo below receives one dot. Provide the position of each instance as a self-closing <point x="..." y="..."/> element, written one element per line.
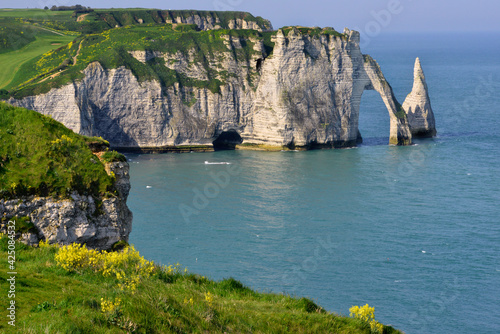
<point x="418" y="106"/>
<point x="212" y="22"/>
<point x="78" y="219"/>
<point x="144" y="56"/>
<point x="306" y="93"/>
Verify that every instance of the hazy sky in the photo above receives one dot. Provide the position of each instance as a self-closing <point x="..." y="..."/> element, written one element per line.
<point x="368" y="16"/>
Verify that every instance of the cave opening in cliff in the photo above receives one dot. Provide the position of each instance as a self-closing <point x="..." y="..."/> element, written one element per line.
<point x="374" y="120"/>
<point x="227" y="140"/>
<point x="258" y="66"/>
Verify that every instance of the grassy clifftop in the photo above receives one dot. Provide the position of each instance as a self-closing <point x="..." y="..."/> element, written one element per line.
<point x="57" y="292"/>
<point x="111" y="49"/>
<point x="40" y="156"/>
<point x="27" y="34"/>
<point x="108" y="37"/>
<point x="99" y="20"/>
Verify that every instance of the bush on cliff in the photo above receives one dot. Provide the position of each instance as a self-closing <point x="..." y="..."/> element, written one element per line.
<point x="40" y="156"/>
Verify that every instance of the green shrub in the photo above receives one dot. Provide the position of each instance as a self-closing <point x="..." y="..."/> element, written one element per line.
<point x="39" y="156"/>
<point x="113" y="156"/>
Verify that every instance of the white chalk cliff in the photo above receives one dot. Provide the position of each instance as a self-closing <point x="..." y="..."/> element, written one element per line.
<point x="305" y="93"/>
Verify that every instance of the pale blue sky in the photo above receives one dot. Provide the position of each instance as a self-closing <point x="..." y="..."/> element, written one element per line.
<point x="368" y="16"/>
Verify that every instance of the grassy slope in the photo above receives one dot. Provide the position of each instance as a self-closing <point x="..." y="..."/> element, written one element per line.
<point x="40" y="156"/>
<point x="33" y="70"/>
<point x="52" y="300"/>
<point x="110" y="49"/>
<point x="21" y="41"/>
<point x="102" y="42"/>
<point x="11" y="62"/>
<point x="102" y="19"/>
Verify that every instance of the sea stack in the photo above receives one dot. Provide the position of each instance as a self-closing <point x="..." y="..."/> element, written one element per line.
<point x="418" y="106"/>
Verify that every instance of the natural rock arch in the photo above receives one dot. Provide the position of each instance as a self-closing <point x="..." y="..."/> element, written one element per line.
<point x="400" y="133"/>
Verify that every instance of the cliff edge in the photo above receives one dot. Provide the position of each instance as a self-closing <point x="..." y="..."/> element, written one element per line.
<point x="171" y="86"/>
<point x="55" y="188"/>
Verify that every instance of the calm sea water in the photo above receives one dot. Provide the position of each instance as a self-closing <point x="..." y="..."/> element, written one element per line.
<point x="413" y="231"/>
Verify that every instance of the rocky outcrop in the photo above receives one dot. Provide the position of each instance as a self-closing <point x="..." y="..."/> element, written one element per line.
<point x="305" y="93"/>
<point x="99" y="223"/>
<point x="418" y="106"/>
<point x="400" y="133"/>
<point x="214" y="21"/>
<point x="145" y="56"/>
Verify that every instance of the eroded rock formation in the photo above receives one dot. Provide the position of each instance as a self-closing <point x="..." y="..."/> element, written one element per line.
<point x="98" y="223"/>
<point x="305" y="93"/>
<point x="418" y="106"/>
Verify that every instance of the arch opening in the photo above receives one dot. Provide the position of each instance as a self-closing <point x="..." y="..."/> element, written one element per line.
<point x="374" y="121"/>
<point x="227" y="140"/>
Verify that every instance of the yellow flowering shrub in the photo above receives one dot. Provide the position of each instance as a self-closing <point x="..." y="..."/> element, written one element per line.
<point x="44" y="244"/>
<point x="108" y="306"/>
<point x="127" y="266"/>
<point x="76" y="257"/>
<point x="63" y="140"/>
<point x="367" y="314"/>
<point x="376" y="326"/>
<point x="209" y="298"/>
<point x="129" y="283"/>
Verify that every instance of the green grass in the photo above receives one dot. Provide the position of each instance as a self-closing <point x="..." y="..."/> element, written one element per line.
<point x="313" y="31"/>
<point x="113" y="156"/>
<point x="32" y="13"/>
<point x="23" y="39"/>
<point x="43" y="41"/>
<point x="102" y="19"/>
<point x="111" y="47"/>
<point x="40" y="156"/>
<point x="34" y="73"/>
<point x="50" y="299"/>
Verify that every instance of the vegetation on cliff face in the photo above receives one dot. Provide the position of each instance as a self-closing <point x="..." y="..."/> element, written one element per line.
<point x="75" y="290"/>
<point x="108" y="36"/>
<point x="312" y="31"/>
<point x="27" y="34"/>
<point x="111" y="49"/>
<point x="40" y="156"/>
<point x="97" y="20"/>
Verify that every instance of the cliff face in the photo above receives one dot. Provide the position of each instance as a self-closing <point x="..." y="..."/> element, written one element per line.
<point x="211" y="21"/>
<point x="305" y="93"/>
<point x="81" y="219"/>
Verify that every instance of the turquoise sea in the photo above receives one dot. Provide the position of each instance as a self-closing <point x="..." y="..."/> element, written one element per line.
<point x="413" y="231"/>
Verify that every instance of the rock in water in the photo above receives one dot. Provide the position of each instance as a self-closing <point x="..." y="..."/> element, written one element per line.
<point x="418" y="106"/>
